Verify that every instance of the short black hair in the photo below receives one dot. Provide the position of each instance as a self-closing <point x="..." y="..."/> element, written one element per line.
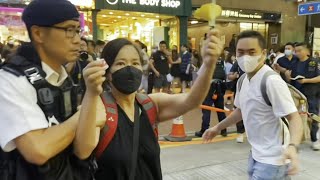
<point x="290" y="44"/>
<point x="112" y="49"/>
<point x="163" y="42"/>
<point x="281" y="49"/>
<point x="185" y="45"/>
<point x="142" y="45"/>
<point x="85" y="40"/>
<point x="100" y="43"/>
<point x="303" y="44"/>
<point x="91" y="42"/>
<point x="253" y="34"/>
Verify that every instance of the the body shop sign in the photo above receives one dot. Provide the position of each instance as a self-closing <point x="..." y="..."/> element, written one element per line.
<point x="172" y="7"/>
<point x="162" y="3"/>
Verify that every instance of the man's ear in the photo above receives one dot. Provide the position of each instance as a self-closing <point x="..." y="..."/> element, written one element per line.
<point x="37" y="34"/>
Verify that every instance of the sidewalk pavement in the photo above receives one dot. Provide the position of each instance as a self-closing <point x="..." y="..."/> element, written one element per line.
<point x="225" y="160"/>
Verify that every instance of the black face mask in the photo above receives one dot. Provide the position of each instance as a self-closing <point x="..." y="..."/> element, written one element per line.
<point x="127" y="80"/>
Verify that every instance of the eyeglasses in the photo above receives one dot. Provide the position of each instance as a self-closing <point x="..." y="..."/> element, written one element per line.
<point x="70" y="32"/>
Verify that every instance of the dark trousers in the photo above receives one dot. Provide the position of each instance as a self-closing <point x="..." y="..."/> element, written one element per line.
<point x="150" y="82"/>
<point x="240" y="127"/>
<point x="219" y="90"/>
<point x="313" y="102"/>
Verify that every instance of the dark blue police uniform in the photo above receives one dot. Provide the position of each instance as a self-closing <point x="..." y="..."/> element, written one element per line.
<point x="287" y="64"/>
<point x="218" y="88"/>
<point x="309" y="69"/>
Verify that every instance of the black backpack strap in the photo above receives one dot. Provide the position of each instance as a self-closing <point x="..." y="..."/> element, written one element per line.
<point x="136" y="135"/>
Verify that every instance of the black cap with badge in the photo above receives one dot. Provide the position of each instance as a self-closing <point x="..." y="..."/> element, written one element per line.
<point x="49" y="12"/>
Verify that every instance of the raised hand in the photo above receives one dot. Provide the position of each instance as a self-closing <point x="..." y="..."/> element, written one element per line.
<point x="93" y="75"/>
<point x="212" y="48"/>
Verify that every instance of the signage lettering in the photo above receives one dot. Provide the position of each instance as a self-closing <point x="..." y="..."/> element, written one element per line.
<point x="157" y="3"/>
<point x="228" y="13"/>
<point x="150" y="2"/>
<point x="170" y="3"/>
<point x="129" y="1"/>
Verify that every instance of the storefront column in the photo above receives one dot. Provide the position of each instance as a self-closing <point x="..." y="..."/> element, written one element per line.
<point x="94" y="24"/>
<point x="183" y="23"/>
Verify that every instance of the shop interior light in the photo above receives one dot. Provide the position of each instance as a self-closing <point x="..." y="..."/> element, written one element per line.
<point x="142" y="15"/>
<point x="19" y="13"/>
<point x="194" y="22"/>
<point x="134" y="18"/>
<point x="157" y="16"/>
<point x="104" y="15"/>
<point x="127" y="14"/>
<point x="86" y="28"/>
<point x="119" y="17"/>
<point x="110" y="12"/>
<point x="124" y="26"/>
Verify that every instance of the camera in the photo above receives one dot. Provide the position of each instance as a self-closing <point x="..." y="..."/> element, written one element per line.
<point x="84" y="56"/>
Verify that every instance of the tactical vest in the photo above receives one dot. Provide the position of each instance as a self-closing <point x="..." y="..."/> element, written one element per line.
<point x="219" y="72"/>
<point x="58" y="104"/>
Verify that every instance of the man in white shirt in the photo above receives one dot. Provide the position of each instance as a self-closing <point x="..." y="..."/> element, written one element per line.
<point x="39" y="130"/>
<point x="263" y="122"/>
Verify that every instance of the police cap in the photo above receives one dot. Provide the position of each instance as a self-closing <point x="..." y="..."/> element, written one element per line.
<point x="49" y="12"/>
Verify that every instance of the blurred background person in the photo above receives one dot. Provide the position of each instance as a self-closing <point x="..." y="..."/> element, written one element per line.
<point x="99" y="47"/>
<point x="92" y="49"/>
<point x="75" y="69"/>
<point x="185" y="67"/>
<point x="145" y="66"/>
<point x="159" y="63"/>
<point x="175" y="68"/>
<point x="229" y="83"/>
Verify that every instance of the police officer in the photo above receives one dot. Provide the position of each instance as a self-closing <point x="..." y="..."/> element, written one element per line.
<point x="309" y="86"/>
<point x="42" y="135"/>
<point x="285" y="63"/>
<point x="75" y="69"/>
<point x="215" y="96"/>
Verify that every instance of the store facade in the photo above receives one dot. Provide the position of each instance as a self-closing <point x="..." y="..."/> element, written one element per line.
<point x="277" y="20"/>
<point x="149" y="21"/>
<point x="11" y="24"/>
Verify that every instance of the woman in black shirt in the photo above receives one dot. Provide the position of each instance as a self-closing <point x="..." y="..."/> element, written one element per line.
<point x="124" y="77"/>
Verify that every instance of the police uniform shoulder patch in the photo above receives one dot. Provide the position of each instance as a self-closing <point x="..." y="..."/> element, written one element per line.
<point x="312" y="63"/>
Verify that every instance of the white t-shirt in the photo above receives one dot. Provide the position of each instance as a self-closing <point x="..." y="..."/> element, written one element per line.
<point x="19" y="112"/>
<point x="263" y="122"/>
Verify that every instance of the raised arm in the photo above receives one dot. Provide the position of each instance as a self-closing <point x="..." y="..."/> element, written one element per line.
<point x="86" y="135"/>
<point x="170" y="106"/>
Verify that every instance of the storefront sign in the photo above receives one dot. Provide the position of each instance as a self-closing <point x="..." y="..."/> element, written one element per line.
<point x="162" y="3"/>
<point x="251" y="14"/>
<point x="229" y="13"/>
<point x="172" y="7"/>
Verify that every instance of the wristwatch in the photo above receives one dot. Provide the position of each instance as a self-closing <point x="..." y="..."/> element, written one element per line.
<point x="295" y="146"/>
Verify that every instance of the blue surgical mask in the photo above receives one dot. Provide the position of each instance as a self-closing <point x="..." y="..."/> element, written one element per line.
<point x="288" y="52"/>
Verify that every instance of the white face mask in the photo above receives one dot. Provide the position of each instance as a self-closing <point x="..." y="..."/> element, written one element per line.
<point x="288" y="52"/>
<point x="249" y="63"/>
